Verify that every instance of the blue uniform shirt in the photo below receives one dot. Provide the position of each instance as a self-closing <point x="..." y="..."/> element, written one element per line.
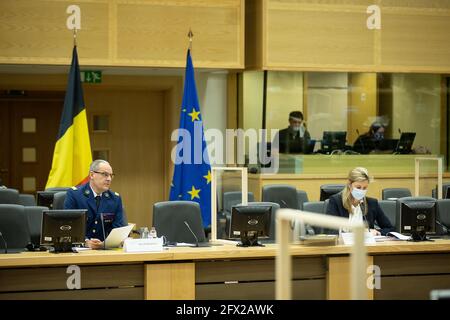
<point x="110" y="206"/>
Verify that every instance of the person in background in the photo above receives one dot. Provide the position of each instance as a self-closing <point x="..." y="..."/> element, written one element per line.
<point x="295" y="138"/>
<point x="98" y="199"/>
<point x="353" y="204"/>
<point x="370" y="140"/>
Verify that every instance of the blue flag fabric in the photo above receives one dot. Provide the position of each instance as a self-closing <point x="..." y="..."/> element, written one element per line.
<point x="192" y="175"/>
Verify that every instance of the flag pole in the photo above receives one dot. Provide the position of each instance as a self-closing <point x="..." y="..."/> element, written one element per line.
<point x="190" y="36"/>
<point x="74" y="36"/>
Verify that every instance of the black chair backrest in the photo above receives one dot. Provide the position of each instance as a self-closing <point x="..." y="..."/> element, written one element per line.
<point x="14" y="226"/>
<point x="9" y="196"/>
<point x="443" y="213"/>
<point x="57" y="189"/>
<point x="58" y="200"/>
<point x="302" y="197"/>
<point x="389" y="208"/>
<point x="232" y="198"/>
<point x="27" y="200"/>
<point x="395" y="193"/>
<point x="169" y="218"/>
<point x="445" y="191"/>
<point x="327" y="190"/>
<point x="317" y="207"/>
<point x="34" y="218"/>
<point x="284" y="195"/>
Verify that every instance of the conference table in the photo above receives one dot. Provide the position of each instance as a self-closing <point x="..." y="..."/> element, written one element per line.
<point x="408" y="270"/>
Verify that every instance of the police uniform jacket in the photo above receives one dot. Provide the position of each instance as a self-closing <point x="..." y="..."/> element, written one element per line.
<point x="110" y="206"/>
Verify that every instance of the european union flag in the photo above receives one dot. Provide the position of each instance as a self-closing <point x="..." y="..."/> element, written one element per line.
<point x="192" y="176"/>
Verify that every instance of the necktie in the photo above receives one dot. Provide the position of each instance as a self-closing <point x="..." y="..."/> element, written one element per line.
<point x="97" y="201"/>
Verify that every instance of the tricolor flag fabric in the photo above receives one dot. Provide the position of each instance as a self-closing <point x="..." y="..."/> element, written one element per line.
<point x="192" y="175"/>
<point x="72" y="154"/>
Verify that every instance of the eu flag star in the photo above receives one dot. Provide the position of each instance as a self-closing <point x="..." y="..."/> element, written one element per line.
<point x="208" y="177"/>
<point x="194" y="193"/>
<point x="194" y="115"/>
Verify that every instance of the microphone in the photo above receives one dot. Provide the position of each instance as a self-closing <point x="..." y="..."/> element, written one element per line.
<point x="104" y="234"/>
<point x="443" y="226"/>
<point x="196" y="239"/>
<point x="284" y="202"/>
<point x="363" y="207"/>
<point x="4" y="242"/>
<point x="399" y="131"/>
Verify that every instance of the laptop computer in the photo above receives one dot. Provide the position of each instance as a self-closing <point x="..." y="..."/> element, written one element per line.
<point x="405" y="143"/>
<point x="117" y="236"/>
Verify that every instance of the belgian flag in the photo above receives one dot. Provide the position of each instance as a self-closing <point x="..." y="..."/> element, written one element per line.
<point x="72" y="155"/>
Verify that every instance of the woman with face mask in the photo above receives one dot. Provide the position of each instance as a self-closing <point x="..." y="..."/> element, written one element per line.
<point x="352" y="203"/>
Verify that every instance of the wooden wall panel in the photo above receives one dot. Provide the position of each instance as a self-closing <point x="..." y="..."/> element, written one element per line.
<point x="327" y="35"/>
<point x="124" y="32"/>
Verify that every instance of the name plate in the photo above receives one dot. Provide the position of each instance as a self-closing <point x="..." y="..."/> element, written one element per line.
<point x="347" y="238"/>
<point x="143" y="245"/>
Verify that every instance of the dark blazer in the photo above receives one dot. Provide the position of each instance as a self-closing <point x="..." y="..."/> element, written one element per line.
<point x="290" y="141"/>
<point x="110" y="206"/>
<point x="374" y="213"/>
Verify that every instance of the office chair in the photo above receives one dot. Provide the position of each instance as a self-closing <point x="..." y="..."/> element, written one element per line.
<point x="445" y="187"/>
<point x="27" y="200"/>
<point x="443" y="215"/>
<point x="169" y="220"/>
<point x="327" y="190"/>
<point x="9" y="196"/>
<point x="58" y="200"/>
<point x="57" y="189"/>
<point x="395" y="193"/>
<point x="34" y="218"/>
<point x="302" y="197"/>
<point x="316" y="207"/>
<point x="14" y="227"/>
<point x="284" y="195"/>
<point x="389" y="208"/>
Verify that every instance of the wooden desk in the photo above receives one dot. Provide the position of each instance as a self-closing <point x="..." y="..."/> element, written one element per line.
<point x="408" y="270"/>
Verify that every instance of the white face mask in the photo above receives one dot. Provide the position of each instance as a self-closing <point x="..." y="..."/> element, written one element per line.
<point x="358" y="194"/>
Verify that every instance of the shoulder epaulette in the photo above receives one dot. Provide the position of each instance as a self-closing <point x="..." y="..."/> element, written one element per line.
<point x="117" y="194"/>
<point x="74" y="188"/>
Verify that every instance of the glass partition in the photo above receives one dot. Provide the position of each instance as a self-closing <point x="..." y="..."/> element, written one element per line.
<point x="348" y="119"/>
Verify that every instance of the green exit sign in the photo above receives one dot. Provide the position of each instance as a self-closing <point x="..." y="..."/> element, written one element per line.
<point x="91" y="76"/>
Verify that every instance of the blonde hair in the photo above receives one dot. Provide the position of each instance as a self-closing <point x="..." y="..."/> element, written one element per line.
<point x="357" y="174"/>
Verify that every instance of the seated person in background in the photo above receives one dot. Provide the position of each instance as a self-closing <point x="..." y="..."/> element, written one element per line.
<point x="295" y="138"/>
<point x="352" y="203"/>
<point x="97" y="198"/>
<point x="370" y="140"/>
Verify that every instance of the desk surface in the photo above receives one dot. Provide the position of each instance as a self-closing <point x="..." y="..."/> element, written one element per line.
<point x="227" y="251"/>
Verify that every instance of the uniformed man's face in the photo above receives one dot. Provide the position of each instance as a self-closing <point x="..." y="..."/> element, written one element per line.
<point x="101" y="178"/>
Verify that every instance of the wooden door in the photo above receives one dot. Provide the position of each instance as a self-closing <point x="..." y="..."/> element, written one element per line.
<point x="29" y="126"/>
<point x="127" y="128"/>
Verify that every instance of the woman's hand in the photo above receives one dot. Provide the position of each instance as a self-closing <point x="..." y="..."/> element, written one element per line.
<point x="375" y="232"/>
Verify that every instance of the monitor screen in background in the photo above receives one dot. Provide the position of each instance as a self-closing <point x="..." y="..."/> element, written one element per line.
<point x="62" y="229"/>
<point x="249" y="223"/>
<point x="417" y="218"/>
<point x="333" y="140"/>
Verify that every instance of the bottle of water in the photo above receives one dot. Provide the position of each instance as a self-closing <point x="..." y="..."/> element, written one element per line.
<point x="145" y="233"/>
<point x="153" y="233"/>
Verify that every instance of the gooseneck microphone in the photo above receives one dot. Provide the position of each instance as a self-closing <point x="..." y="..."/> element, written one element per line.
<point x="196" y="239"/>
<point x="104" y="234"/>
<point x="4" y="242"/>
<point x="443" y="226"/>
<point x="362" y="206"/>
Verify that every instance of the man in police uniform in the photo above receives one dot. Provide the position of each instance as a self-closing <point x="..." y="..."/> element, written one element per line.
<point x="98" y="199"/>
